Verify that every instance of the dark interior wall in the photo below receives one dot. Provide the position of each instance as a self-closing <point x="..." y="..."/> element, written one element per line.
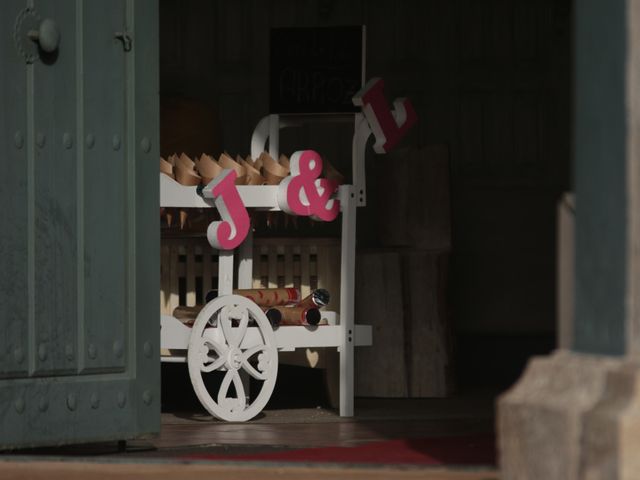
<point x="490" y="79"/>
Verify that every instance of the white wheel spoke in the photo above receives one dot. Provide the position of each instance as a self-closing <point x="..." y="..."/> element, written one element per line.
<point x="233" y="404"/>
<point x="234" y="335"/>
<point x="209" y="364"/>
<point x="225" y="322"/>
<point x="224" y="388"/>
<point x="213" y="366"/>
<point x="242" y="328"/>
<point x="252" y="351"/>
<point x="253" y="372"/>
<point x="240" y="393"/>
<point x="250" y="368"/>
<point x="221" y="350"/>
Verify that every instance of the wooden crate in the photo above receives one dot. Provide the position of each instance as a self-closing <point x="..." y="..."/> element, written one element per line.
<point x="402" y="294"/>
<point x="188" y="270"/>
<point x="306" y="264"/>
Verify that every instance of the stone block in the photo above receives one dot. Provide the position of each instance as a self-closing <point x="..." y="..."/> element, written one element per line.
<point x="611" y="432"/>
<point x="540" y="419"/>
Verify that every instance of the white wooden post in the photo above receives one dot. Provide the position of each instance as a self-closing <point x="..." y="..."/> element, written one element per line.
<point x="225" y="272"/>
<point x="259" y="137"/>
<point x="245" y="262"/>
<point x="245" y="280"/>
<point x="347" y="291"/>
<point x="361" y="135"/>
<point x="274" y="136"/>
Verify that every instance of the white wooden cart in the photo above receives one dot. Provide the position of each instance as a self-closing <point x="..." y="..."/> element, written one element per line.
<point x="231" y="333"/>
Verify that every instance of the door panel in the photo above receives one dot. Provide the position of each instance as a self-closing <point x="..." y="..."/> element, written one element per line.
<point x="55" y="199"/>
<point x="105" y="188"/>
<point x="79" y="244"/>
<point x="14" y="299"/>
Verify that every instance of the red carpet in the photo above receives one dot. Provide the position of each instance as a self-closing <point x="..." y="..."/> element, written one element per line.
<point x="467" y="450"/>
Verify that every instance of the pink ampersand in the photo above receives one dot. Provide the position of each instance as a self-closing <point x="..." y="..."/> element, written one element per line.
<point x="303" y="193"/>
<point x="234" y="227"/>
<point x="387" y="126"/>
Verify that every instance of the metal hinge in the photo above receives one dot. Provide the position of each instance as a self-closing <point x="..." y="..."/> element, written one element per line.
<point x="125" y="38"/>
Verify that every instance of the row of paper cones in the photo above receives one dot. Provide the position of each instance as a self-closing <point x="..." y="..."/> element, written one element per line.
<point x="263" y="171"/>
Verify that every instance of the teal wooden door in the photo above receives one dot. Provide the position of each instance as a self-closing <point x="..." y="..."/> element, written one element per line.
<point x="79" y="231"/>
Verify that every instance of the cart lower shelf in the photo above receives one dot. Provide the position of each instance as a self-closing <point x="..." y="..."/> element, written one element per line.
<point x="175" y="335"/>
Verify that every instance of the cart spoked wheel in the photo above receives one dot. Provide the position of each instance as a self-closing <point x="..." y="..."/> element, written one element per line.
<point x="221" y="340"/>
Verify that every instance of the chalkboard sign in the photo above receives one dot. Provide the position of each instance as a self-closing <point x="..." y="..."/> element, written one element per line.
<point x="315" y="70"/>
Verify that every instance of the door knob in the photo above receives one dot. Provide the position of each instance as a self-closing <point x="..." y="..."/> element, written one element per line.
<point x="47" y="36"/>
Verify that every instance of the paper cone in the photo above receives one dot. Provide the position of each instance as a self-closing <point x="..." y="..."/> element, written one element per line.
<point x="272" y="171"/>
<point x="226" y="161"/>
<point x="257" y="164"/>
<point x="185" y="162"/>
<point x="208" y="168"/>
<point x="166" y="168"/>
<point x="183" y="218"/>
<point x="253" y="175"/>
<point x="187" y="176"/>
<point x="166" y="213"/>
<point x="330" y="173"/>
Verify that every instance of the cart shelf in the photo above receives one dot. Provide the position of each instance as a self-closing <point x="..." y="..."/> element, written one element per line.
<point x="172" y="194"/>
<point x="175" y="335"/>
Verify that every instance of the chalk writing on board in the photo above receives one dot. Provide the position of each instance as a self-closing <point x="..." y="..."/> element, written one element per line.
<point x="315" y="70"/>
